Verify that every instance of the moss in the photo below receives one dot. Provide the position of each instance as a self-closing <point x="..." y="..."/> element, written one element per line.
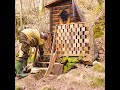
<point x="98" y="8"/>
<point x="97" y="31"/>
<point x="68" y="67"/>
<point x="47" y="87"/>
<point x="99" y="27"/>
<point x="99" y="68"/>
<point x="18" y="88"/>
<point x="69" y="63"/>
<point x="100" y="2"/>
<point x="97" y="82"/>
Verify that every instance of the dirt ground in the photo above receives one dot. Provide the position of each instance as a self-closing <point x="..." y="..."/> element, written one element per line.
<point x="81" y="78"/>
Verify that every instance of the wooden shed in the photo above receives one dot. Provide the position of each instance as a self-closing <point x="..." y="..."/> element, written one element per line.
<point x="73" y="33"/>
<point x="64" y="12"/>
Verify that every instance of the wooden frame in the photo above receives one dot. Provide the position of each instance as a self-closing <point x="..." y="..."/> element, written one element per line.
<point x="74" y="42"/>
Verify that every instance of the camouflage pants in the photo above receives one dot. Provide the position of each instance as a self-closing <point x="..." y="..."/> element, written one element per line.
<point x="24" y="47"/>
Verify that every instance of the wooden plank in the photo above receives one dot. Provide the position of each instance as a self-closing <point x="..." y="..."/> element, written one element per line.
<point x="50" y="19"/>
<point x="53" y="3"/>
<point x="54" y="27"/>
<point x="78" y="18"/>
<point x="54" y="12"/>
<point x="57" y="18"/>
<point x="71" y="42"/>
<point x="52" y="61"/>
<point x="58" y="2"/>
<point x="55" y="22"/>
<point x="75" y="20"/>
<point x="59" y="7"/>
<point x="57" y="10"/>
<point x="57" y="69"/>
<point x="69" y="54"/>
<point x="52" y="58"/>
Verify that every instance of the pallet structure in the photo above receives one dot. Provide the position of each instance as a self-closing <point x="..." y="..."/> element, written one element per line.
<point x="72" y="39"/>
<point x="73" y="35"/>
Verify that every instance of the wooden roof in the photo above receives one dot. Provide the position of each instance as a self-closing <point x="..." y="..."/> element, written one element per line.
<point x="79" y="12"/>
<point x="54" y="2"/>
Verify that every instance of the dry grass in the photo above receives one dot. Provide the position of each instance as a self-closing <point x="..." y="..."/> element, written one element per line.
<point x="97" y="82"/>
<point x="47" y="87"/>
<point x="99" y="68"/>
<point x="18" y="88"/>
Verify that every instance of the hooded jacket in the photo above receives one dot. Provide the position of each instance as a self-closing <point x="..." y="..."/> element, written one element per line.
<point x="33" y="36"/>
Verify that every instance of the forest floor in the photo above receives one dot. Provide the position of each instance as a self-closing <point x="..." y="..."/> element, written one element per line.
<point x="81" y="78"/>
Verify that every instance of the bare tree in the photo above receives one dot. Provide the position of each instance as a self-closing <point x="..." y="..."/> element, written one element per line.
<point x="21" y="23"/>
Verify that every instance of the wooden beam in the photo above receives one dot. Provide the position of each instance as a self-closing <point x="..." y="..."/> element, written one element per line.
<point x="82" y="18"/>
<point x="51" y="19"/>
<point x="53" y="2"/>
<point x="73" y="6"/>
<point x="52" y="58"/>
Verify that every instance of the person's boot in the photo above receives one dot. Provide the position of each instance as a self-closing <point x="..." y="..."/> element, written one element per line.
<point x="25" y="66"/>
<point x="19" y="72"/>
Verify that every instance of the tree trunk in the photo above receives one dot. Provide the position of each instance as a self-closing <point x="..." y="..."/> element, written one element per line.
<point x="21" y="23"/>
<point x="41" y="5"/>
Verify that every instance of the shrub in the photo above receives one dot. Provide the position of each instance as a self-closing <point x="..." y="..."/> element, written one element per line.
<point x="69" y="63"/>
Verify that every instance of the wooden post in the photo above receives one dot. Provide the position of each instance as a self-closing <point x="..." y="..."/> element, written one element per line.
<point x="51" y="19"/>
<point x="91" y="41"/>
<point x="73" y="8"/>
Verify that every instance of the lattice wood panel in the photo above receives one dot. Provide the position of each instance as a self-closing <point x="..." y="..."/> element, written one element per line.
<point x="73" y="39"/>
